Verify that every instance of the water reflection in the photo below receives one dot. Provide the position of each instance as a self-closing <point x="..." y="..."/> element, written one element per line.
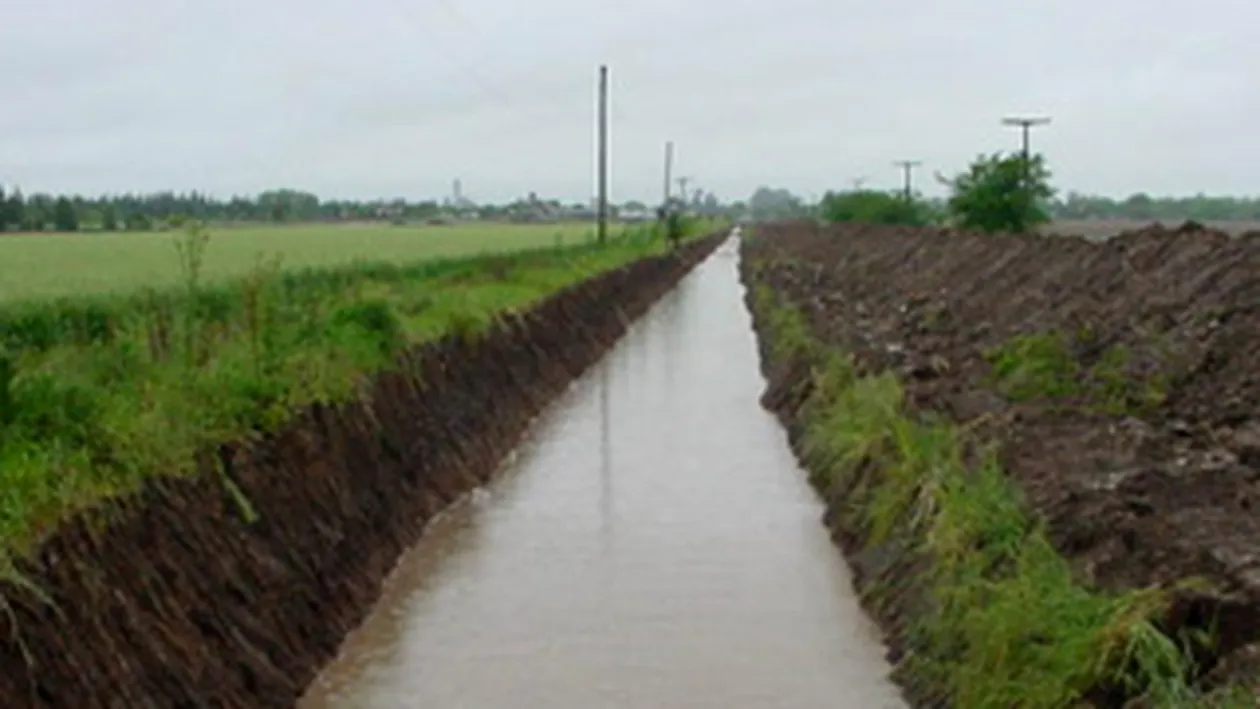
<point x="605" y="457"/>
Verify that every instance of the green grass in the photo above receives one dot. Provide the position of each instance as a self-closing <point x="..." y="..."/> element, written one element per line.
<point x="34" y="266"/>
<point x="98" y="394"/>
<point x="1009" y="625"/>
<point x="1041" y="367"/>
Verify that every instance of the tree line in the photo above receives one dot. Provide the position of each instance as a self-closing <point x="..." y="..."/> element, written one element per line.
<point x="1011" y="192"/>
<point x="1143" y="206"/>
<point x="144" y="212"/>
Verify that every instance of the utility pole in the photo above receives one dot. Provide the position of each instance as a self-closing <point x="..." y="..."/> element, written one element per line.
<point x="907" y="166"/>
<point x="1025" y="123"/>
<point x="682" y="188"/>
<point x="669" y="168"/>
<point x="602" y="208"/>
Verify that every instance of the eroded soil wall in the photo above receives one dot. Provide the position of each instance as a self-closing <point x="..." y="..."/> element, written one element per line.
<point x="173" y="598"/>
<point x="1132" y="430"/>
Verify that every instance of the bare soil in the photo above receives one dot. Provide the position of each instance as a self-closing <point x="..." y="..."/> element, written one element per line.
<point x="1102" y="229"/>
<point x="172" y="598"/>
<point x="1148" y="495"/>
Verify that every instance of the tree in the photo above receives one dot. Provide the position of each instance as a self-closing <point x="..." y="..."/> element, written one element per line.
<point x="872" y="207"/>
<point x="17" y="209"/>
<point x="64" y="216"/>
<point x="772" y="203"/>
<point x="139" y="221"/>
<point x="109" y="217"/>
<point x="1001" y="194"/>
<point x="39" y="211"/>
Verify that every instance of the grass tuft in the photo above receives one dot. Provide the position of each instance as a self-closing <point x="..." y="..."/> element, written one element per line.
<point x="1043" y="367"/>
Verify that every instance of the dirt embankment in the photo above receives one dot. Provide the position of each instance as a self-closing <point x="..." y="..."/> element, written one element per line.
<point x="175" y="598"/>
<point x="1119" y="381"/>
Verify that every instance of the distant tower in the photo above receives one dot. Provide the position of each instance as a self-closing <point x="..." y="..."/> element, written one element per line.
<point x="456" y="192"/>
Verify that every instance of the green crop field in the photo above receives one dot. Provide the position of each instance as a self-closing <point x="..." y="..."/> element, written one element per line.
<point x="35" y="266"/>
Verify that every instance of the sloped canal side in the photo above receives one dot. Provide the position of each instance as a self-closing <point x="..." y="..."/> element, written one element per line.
<point x="178" y="596"/>
<point x="652" y="545"/>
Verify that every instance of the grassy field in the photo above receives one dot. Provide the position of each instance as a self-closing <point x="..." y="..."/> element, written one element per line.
<point x="36" y="266"/>
<point x="99" y="392"/>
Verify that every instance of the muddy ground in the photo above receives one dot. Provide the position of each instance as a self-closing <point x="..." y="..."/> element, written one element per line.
<point x="1153" y="480"/>
<point x="174" y="599"/>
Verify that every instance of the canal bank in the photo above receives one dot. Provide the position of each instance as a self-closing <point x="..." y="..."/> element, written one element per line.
<point x="233" y="586"/>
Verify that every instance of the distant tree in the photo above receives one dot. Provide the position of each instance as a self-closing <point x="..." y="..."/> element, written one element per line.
<point x="771" y="203"/>
<point x="39" y="212"/>
<point x="17" y="209"/>
<point x="1001" y="194"/>
<point x="872" y="207"/>
<point x="139" y="221"/>
<point x="109" y="217"/>
<point x="64" y="216"/>
<point x="1139" y="206"/>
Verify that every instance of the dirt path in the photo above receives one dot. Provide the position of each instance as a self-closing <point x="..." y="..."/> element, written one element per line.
<point x="1121" y="380"/>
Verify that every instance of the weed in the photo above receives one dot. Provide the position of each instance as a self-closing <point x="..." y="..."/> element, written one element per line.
<point x="1041" y="367"/>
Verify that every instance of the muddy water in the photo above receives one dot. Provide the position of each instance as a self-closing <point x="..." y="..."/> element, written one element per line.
<point x="652" y="546"/>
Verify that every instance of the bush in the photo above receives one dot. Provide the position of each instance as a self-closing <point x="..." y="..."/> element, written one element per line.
<point x="872" y="207"/>
<point x="1001" y="194"/>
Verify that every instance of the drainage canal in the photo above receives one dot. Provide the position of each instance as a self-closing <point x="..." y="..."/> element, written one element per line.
<point x="653" y="545"/>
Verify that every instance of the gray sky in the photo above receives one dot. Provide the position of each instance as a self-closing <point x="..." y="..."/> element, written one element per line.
<point x="364" y="98"/>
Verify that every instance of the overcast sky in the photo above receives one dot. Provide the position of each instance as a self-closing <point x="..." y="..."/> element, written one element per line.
<point x="365" y="98"/>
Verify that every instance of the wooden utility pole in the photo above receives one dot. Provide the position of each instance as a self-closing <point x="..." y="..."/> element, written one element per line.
<point x="1025" y="123"/>
<point x="602" y="207"/>
<point x="682" y="188"/>
<point x="669" y="169"/>
<point x="907" y="166"/>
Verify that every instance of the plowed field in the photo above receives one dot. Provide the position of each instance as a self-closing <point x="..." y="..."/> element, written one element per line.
<point x="1121" y="381"/>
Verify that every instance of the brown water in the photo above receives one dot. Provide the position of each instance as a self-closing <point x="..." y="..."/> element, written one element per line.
<point x="653" y="546"/>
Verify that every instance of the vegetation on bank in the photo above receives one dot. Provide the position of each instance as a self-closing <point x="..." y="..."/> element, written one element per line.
<point x="1007" y="625"/>
<point x="97" y="394"/>
<point x="874" y="207"/>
